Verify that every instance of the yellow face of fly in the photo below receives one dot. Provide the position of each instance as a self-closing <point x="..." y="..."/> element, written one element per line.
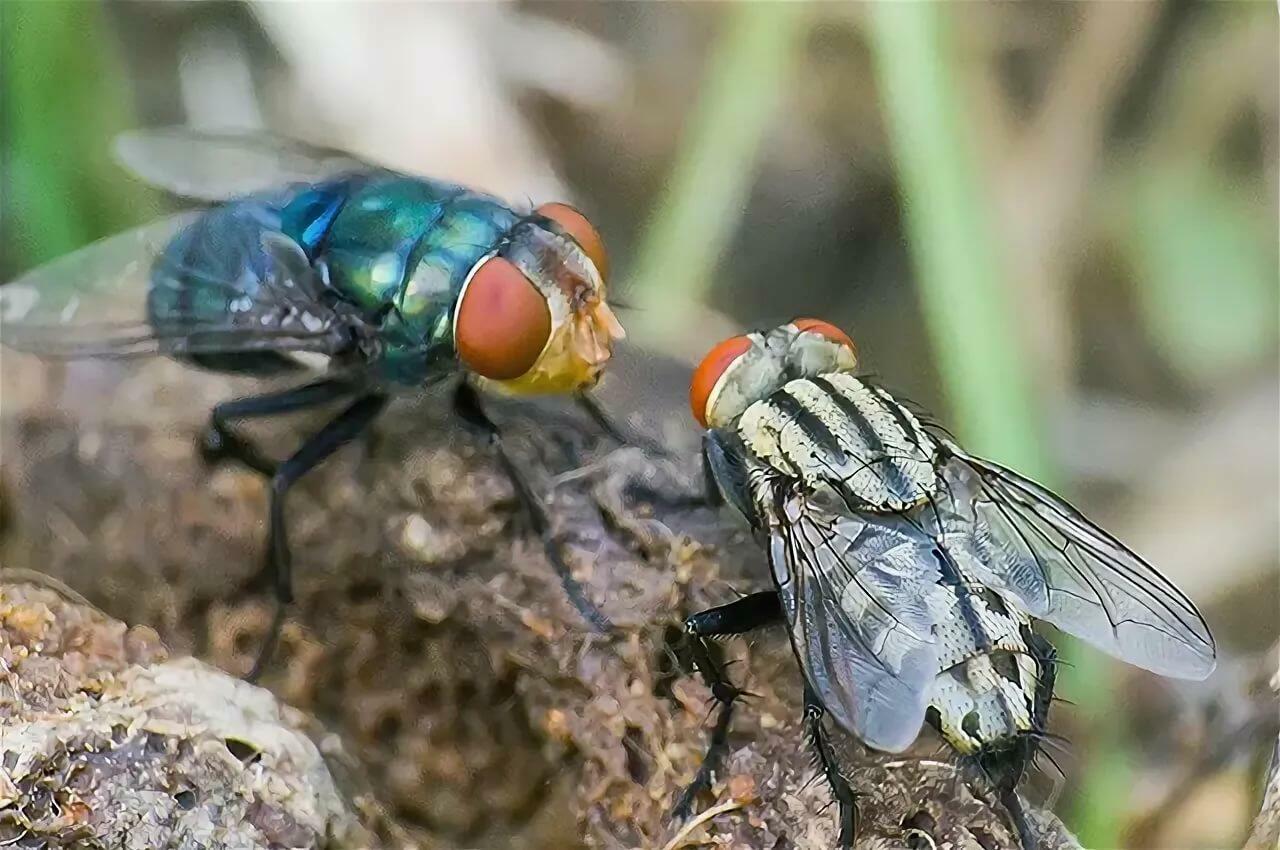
<point x="580" y="346"/>
<point x="583" y="327"/>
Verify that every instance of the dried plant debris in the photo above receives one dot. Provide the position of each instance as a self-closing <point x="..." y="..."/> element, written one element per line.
<point x="104" y="743"/>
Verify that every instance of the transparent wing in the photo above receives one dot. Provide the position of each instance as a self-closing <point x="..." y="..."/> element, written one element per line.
<point x="221" y="281"/>
<point x="1064" y="569"/>
<point x="217" y="166"/>
<point x="861" y="596"/>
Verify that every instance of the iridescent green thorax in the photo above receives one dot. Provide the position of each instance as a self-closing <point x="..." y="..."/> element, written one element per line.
<point x="400" y="248"/>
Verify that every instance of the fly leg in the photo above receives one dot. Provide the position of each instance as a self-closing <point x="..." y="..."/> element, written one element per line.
<point x="343" y="428"/>
<point x="840" y="790"/>
<point x="619" y="434"/>
<point x="1001" y="769"/>
<point x="1013" y="804"/>
<point x="220" y="441"/>
<point x="466" y="403"/>
<point x="711" y="495"/>
<point x="738" y="617"/>
<point x="1006" y="768"/>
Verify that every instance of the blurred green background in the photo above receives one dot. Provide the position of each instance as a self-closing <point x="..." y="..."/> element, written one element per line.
<point x="1055" y="225"/>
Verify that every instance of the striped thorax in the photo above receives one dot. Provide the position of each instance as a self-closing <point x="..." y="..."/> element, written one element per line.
<point x="790" y="398"/>
<point x="833" y="430"/>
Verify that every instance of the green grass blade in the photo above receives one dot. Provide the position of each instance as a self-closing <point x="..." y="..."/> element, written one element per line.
<point x="60" y="113"/>
<point x="964" y="296"/>
<point x="706" y="191"/>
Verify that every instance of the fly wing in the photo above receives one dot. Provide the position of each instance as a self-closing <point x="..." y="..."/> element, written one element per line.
<point x="220" y="281"/>
<point x="217" y="166"/>
<point x="1064" y="569"/>
<point x="860" y="595"/>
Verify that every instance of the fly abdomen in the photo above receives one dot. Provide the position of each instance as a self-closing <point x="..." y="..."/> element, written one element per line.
<point x="985" y="692"/>
<point x="188" y="286"/>
<point x="985" y="700"/>
<point x="833" y="431"/>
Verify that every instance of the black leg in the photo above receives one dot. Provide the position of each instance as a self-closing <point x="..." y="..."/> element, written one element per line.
<point x="1017" y="814"/>
<point x="738" y="617"/>
<point x="1006" y="767"/>
<point x="279" y="566"/>
<point x="726" y="694"/>
<point x="751" y="612"/>
<point x="711" y="494"/>
<point x="840" y="790"/>
<point x="466" y="403"/>
<point x="220" y="441"/>
<point x="617" y="433"/>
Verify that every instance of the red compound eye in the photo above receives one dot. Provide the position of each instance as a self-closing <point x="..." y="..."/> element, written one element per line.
<point x="708" y="373"/>
<point x="503" y="322"/>
<point x="825" y="329"/>
<point x="582" y="231"/>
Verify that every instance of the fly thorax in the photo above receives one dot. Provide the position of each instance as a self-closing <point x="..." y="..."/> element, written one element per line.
<point x="834" y="431"/>
<point x="760" y="428"/>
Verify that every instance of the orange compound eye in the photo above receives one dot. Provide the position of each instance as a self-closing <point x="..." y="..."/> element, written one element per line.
<point x="582" y="231"/>
<point x="503" y="322"/>
<point x="825" y="329"/>
<point x="709" y="371"/>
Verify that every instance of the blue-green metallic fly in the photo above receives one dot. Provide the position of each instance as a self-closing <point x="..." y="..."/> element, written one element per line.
<point x="399" y="281"/>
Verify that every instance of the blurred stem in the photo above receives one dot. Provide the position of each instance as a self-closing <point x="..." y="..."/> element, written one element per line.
<point x="971" y="321"/>
<point x="61" y="104"/>
<point x="1106" y="783"/>
<point x="964" y="297"/>
<point x="706" y="192"/>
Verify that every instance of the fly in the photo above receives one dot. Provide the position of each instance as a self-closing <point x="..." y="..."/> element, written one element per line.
<point x="399" y="282"/>
<point x="907" y="571"/>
